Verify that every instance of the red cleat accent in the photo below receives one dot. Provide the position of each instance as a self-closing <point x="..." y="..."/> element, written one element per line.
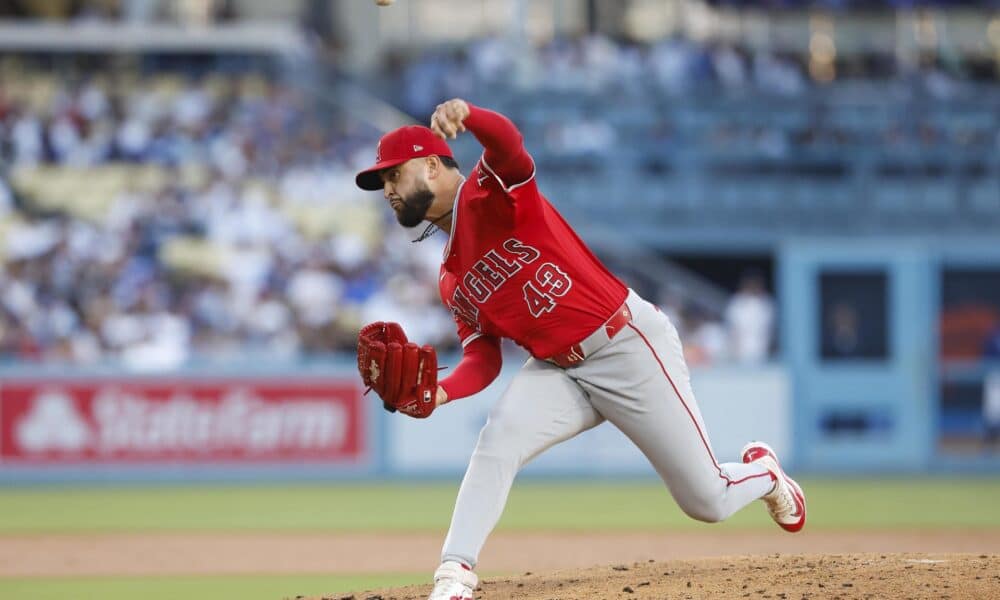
<point x="786" y="502"/>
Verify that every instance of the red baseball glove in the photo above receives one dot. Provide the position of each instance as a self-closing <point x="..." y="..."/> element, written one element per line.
<point x="403" y="374"/>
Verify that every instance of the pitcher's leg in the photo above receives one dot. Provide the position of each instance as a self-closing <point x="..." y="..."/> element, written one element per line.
<point x="657" y="410"/>
<point x="541" y="408"/>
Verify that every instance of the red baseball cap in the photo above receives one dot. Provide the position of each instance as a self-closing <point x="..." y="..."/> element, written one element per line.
<point x="399" y="146"/>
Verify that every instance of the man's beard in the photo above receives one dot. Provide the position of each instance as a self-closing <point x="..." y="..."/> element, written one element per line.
<point x="414" y="209"/>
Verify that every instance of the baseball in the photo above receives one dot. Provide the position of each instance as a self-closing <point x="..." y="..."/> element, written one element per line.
<point x="384" y="2"/>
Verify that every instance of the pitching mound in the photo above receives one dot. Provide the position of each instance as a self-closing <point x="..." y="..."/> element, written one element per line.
<point x="844" y="576"/>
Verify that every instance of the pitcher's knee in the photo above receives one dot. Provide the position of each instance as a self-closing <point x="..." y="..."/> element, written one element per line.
<point x="496" y="439"/>
<point x="492" y="447"/>
<point x="707" y="508"/>
<point x="707" y="513"/>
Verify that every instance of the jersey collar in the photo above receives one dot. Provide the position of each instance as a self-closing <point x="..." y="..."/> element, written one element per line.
<point x="454" y="218"/>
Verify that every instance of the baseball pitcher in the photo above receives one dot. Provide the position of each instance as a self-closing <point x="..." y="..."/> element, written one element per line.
<point x="513" y="268"/>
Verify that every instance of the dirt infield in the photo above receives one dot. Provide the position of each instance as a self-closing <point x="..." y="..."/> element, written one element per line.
<point x="212" y="553"/>
<point x="838" y="576"/>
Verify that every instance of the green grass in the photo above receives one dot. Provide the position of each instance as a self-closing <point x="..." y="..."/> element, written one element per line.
<point x="192" y="588"/>
<point x="833" y="504"/>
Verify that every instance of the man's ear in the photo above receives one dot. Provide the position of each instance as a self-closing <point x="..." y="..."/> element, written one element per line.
<point x="433" y="166"/>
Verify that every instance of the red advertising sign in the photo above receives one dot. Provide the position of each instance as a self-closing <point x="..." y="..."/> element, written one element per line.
<point x="180" y="421"/>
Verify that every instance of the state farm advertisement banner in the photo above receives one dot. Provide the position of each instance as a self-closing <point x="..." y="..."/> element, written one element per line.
<point x="180" y="421"/>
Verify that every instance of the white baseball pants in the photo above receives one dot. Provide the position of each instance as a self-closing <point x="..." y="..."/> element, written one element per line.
<point x="639" y="382"/>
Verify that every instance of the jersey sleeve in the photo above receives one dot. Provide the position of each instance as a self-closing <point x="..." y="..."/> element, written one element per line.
<point x="480" y="365"/>
<point x="504" y="155"/>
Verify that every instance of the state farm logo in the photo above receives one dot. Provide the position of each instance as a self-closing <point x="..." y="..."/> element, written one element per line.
<point x="128" y="421"/>
<point x="213" y="421"/>
<point x="53" y="423"/>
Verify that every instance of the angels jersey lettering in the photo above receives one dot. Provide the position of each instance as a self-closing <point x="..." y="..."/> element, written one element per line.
<point x="513" y="268"/>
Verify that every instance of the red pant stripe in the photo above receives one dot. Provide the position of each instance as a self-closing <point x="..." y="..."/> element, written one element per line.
<point x="691" y="415"/>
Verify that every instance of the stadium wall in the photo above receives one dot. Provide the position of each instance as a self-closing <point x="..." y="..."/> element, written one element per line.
<point x="312" y="423"/>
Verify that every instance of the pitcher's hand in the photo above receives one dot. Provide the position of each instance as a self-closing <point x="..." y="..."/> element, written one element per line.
<point x="446" y="122"/>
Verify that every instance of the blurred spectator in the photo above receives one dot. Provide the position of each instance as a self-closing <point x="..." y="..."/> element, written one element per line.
<point x="729" y="66"/>
<point x="672" y="304"/>
<point x="491" y="58"/>
<point x="965" y="329"/>
<point x="706" y="340"/>
<point x="844" y="339"/>
<point x="750" y="318"/>
<point x="778" y="75"/>
<point x="405" y="300"/>
<point x="991" y="392"/>
<point x="991" y="409"/>
<point x="991" y="348"/>
<point x="581" y="136"/>
<point x="670" y="62"/>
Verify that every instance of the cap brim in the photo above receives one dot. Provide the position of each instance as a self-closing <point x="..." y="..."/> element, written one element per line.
<point x="369" y="178"/>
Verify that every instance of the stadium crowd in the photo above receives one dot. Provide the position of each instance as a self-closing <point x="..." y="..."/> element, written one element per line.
<point x="667" y="90"/>
<point x="589" y="64"/>
<point x="222" y="254"/>
<point x="675" y="66"/>
<point x="108" y="285"/>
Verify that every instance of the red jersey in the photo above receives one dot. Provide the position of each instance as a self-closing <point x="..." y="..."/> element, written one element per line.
<point x="514" y="268"/>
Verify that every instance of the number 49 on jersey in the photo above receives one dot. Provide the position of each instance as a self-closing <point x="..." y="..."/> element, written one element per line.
<point x="540" y="294"/>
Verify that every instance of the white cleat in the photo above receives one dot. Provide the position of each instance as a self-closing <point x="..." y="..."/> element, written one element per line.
<point x="786" y="503"/>
<point x="453" y="581"/>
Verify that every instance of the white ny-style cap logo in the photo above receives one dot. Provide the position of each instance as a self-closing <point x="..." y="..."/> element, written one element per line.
<point x="378" y="152"/>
